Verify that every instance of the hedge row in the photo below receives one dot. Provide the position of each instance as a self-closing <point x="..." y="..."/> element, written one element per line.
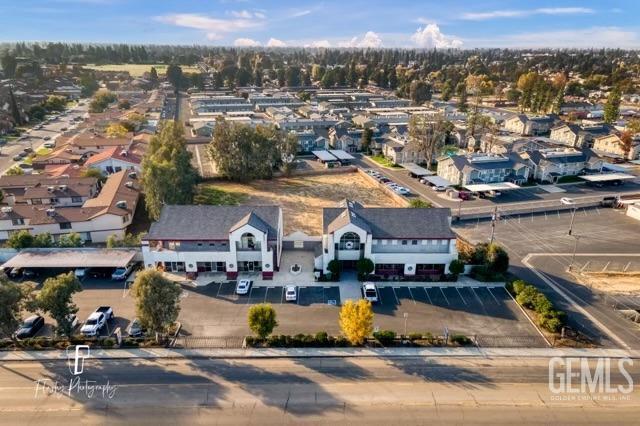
<point x="530" y="297"/>
<point x="38" y="343"/>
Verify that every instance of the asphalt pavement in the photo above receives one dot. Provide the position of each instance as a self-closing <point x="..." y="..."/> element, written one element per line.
<point x="327" y="390"/>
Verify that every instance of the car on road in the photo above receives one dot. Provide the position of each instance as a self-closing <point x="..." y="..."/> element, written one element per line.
<point x="121" y="274"/>
<point x="30" y="327"/>
<point x="39" y="127"/>
<point x="370" y="292"/>
<point x="26" y="168"/>
<point x="466" y="196"/>
<point x="28" y="150"/>
<point x="22" y="154"/>
<point x="401" y="190"/>
<point x="96" y="321"/>
<point x="290" y="293"/>
<point x="567" y="201"/>
<point x="135" y="328"/>
<point x="243" y="286"/>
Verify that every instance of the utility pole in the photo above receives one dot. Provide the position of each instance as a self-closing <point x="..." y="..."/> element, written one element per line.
<point x="494" y="217"/>
<point x="573" y="215"/>
<point x="575" y="248"/>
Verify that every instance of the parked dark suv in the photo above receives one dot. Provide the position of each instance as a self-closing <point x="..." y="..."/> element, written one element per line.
<point x="30" y="327"/>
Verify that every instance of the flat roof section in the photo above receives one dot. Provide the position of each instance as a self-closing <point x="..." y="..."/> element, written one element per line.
<point x="607" y="177"/>
<point x="324" y="156"/>
<point x="495" y="186"/>
<point x="438" y="181"/>
<point x="417" y="170"/>
<point x="341" y="155"/>
<point x="71" y="258"/>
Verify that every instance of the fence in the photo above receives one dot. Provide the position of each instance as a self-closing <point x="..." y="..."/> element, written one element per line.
<point x="209" y="342"/>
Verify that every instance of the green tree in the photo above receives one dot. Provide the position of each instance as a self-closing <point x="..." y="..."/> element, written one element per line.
<point x="9" y="64"/>
<point x="418" y="203"/>
<point x="124" y="104"/>
<point x="14" y="299"/>
<point x="356" y="320"/>
<point x="153" y="77"/>
<point x="174" y="75"/>
<point x="262" y="319"/>
<point x="43" y="240"/>
<point x="365" y="267"/>
<point x="94" y="173"/>
<point x="15" y="109"/>
<point x="128" y="240"/>
<point x="456" y="267"/>
<point x="157" y="300"/>
<point x="36" y="112"/>
<point x="367" y="137"/>
<point x="420" y="91"/>
<point x="334" y="268"/>
<point x="461" y="92"/>
<point x="72" y="239"/>
<point x="89" y="85"/>
<point x="497" y="259"/>
<point x="168" y="176"/>
<point x="20" y="240"/>
<point x="612" y="107"/>
<point x="56" y="299"/>
<point x="447" y="91"/>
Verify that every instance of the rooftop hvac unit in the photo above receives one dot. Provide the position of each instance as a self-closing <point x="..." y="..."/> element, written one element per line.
<point x="63" y="187"/>
<point x="128" y="184"/>
<point x="133" y="175"/>
<point x="51" y="189"/>
<point x="7" y="209"/>
<point x="51" y="212"/>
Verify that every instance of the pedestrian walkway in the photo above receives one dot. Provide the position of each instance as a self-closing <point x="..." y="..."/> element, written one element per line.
<point x="154" y="353"/>
<point x="349" y="286"/>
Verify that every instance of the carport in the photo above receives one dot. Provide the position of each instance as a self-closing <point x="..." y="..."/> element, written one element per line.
<point x="71" y="258"/>
<point x="607" y="177"/>
<point x="417" y="171"/>
<point x="438" y="181"/>
<point x="344" y="157"/>
<point x="324" y="156"/>
<point x="495" y="186"/>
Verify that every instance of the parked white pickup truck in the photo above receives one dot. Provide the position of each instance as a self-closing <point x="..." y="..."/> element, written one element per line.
<point x="96" y="321"/>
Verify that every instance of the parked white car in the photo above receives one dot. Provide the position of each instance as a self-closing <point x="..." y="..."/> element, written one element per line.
<point x="290" y="293"/>
<point x="370" y="292"/>
<point x="96" y="321"/>
<point x="243" y="286"/>
<point x="121" y="274"/>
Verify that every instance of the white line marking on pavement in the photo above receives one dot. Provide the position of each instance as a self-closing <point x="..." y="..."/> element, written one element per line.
<point x="395" y="295"/>
<point x="576" y="306"/>
<point x="411" y="293"/>
<point x="585" y="265"/>
<point x="626" y="267"/>
<point x="444" y="295"/>
<point x="492" y="295"/>
<point x="428" y="297"/>
<point x="460" y="294"/>
<point x="606" y="266"/>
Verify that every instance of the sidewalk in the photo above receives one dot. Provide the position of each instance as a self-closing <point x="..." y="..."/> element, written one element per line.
<point x="155" y="353"/>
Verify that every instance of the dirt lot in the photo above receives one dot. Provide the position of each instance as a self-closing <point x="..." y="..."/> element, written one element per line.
<point x="615" y="283"/>
<point x="302" y="198"/>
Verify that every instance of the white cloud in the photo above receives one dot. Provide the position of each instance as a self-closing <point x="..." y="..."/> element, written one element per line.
<point x="245" y="14"/>
<point x="594" y="37"/>
<point x="482" y="16"/>
<point x="318" y="43"/>
<point x="430" y="36"/>
<point x="274" y="42"/>
<point x="214" y="28"/>
<point x="246" y="42"/>
<point x="370" y="39"/>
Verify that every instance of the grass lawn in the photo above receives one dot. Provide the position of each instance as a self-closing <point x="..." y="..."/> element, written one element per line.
<point x="136" y="70"/>
<point x="210" y="195"/>
<point x="383" y="161"/>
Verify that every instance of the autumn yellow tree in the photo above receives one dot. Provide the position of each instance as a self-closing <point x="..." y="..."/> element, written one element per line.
<point x="356" y="320"/>
<point x="116" y="130"/>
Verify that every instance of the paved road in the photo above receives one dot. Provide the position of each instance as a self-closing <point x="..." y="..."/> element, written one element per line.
<point x="34" y="139"/>
<point x="529" y="197"/>
<point x="322" y="390"/>
<point x="603" y="234"/>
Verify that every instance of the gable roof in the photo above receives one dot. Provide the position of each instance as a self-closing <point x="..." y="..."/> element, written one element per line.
<point x="391" y="222"/>
<point x="201" y="223"/>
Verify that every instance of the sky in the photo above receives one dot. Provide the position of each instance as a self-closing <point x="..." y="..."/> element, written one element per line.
<point x="328" y="23"/>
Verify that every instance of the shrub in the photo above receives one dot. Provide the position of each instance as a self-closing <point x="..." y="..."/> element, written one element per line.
<point x="518" y="286"/>
<point x="414" y="336"/>
<point x="497" y="259"/>
<point x="334" y="267"/>
<point x="541" y="304"/>
<point x="107" y="342"/>
<point x="527" y="296"/>
<point x="456" y="267"/>
<point x="322" y="338"/>
<point x="262" y="319"/>
<point x="460" y="339"/>
<point x="552" y="324"/>
<point x="385" y="337"/>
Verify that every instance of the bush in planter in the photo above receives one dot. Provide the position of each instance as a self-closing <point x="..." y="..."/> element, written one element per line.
<point x="322" y="338"/>
<point x="385" y="337"/>
<point x="527" y="296"/>
<point x="334" y="267"/>
<point x="456" y="267"/>
<point x="341" y="342"/>
<point x="414" y="336"/>
<point x="107" y="342"/>
<point x="460" y="339"/>
<point x="365" y="267"/>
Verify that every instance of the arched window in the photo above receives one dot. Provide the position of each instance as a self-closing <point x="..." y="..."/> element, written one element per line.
<point x="349" y="241"/>
<point x="248" y="241"/>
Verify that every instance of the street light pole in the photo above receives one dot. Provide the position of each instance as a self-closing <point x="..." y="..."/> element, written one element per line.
<point x="573" y="215"/>
<point x="406" y="315"/>
<point x="493" y="223"/>
<point x="575" y="248"/>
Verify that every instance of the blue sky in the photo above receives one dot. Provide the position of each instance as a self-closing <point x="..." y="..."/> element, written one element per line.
<point x="346" y="23"/>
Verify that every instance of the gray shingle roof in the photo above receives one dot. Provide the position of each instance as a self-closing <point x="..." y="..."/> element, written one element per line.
<point x="211" y="222"/>
<point x="389" y="222"/>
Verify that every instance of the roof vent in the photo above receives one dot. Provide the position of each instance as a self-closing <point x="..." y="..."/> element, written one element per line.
<point x="7" y="209"/>
<point x="51" y="188"/>
<point x="121" y="204"/>
<point x="63" y="187"/>
<point x="128" y="184"/>
<point x="133" y="175"/>
<point x="51" y="212"/>
<point x="123" y="153"/>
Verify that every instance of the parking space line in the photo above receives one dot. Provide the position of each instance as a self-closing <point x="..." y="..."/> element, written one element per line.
<point x="265" y="294"/>
<point x="411" y="294"/>
<point x="606" y="266"/>
<point x="585" y="265"/>
<point x="299" y="294"/>
<point x="626" y="267"/>
<point x="477" y="297"/>
<point x="395" y="295"/>
<point x="249" y="298"/>
<point x="427" y="293"/>
<point x="545" y="216"/>
<point x="558" y="211"/>
<point x="218" y="292"/>
<point x="460" y="294"/>
<point x="445" y="296"/>
<point x="493" y="295"/>
<point x="597" y="210"/>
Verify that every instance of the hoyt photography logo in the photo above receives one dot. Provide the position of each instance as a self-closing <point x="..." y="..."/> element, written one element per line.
<point x="76" y="386"/>
<point x="573" y="379"/>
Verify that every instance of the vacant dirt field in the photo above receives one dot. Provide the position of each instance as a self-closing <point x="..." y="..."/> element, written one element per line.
<point x="616" y="283"/>
<point x="137" y="70"/>
<point x="302" y="198"/>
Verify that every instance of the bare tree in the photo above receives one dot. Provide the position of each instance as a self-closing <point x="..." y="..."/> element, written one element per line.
<point x="426" y="135"/>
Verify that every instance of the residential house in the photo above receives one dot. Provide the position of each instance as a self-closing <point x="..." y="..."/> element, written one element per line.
<point x="524" y="125"/>
<point x="108" y="213"/>
<point x="398" y="149"/>
<point x="612" y="146"/>
<point x="309" y="141"/>
<point x="575" y="136"/>
<point x="399" y="241"/>
<point x="115" y="159"/>
<point x="551" y="164"/>
<point x="40" y="189"/>
<point x="230" y="239"/>
<point x="483" y="168"/>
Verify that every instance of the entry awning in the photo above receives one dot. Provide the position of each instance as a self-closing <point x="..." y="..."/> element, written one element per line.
<point x="71" y="258"/>
<point x="495" y="186"/>
<point x="604" y="177"/>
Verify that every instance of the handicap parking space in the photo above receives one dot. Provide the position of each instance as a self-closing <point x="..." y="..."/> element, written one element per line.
<point x="332" y="295"/>
<point x="310" y="295"/>
<point x="227" y="291"/>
